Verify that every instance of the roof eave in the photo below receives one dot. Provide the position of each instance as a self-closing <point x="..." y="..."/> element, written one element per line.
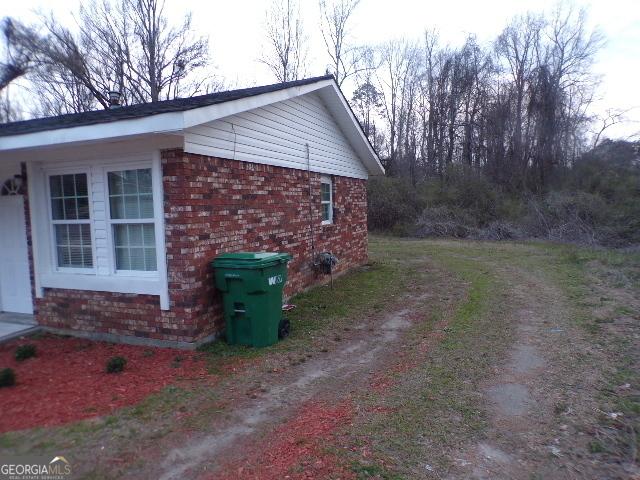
<point x="176" y="122"/>
<point x="172" y="122"/>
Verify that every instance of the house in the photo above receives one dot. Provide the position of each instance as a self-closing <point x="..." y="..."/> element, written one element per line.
<point x="110" y="219"/>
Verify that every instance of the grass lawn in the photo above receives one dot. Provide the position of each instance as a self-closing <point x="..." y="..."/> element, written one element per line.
<point x="465" y="301"/>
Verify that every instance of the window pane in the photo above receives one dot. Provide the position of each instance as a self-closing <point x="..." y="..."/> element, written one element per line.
<point x="76" y="256"/>
<point x="83" y="207"/>
<point x="81" y="185"/>
<point x="120" y="236"/>
<point x="69" y="197"/>
<point x="144" y="180"/>
<point x="116" y="205"/>
<point x="68" y="185"/>
<point x="87" y="253"/>
<point x="85" y="231"/>
<point x="55" y="185"/>
<point x="136" y="256"/>
<point x="325" y="211"/>
<point x="149" y="235"/>
<point x="70" y="212"/>
<point x="57" y="209"/>
<point x="146" y="206"/>
<point x="74" y="237"/>
<point x="131" y="209"/>
<point x="64" y="257"/>
<point x="74" y="246"/>
<point x="122" y="259"/>
<point x="326" y="192"/>
<point x="130" y="194"/>
<point x="135" y="247"/>
<point x="150" y="259"/>
<point x="135" y="235"/>
<point x="130" y="181"/>
<point x="62" y="235"/>
<point x="115" y="183"/>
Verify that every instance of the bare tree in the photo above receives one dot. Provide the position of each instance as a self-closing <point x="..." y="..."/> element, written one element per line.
<point x="128" y="45"/>
<point x="516" y="46"/>
<point x="397" y="79"/>
<point x="17" y="57"/>
<point x="517" y="111"/>
<point x="166" y="54"/>
<point x="8" y="110"/>
<point x="609" y="119"/>
<point x="346" y="60"/>
<point x="560" y="88"/>
<point x="287" y="54"/>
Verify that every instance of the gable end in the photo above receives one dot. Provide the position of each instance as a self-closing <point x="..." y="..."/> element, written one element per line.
<point x="280" y="134"/>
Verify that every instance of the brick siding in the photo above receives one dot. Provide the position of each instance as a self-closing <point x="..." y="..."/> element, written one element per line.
<point x="212" y="206"/>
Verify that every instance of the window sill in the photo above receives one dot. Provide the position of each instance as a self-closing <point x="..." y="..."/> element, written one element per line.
<point x="112" y="283"/>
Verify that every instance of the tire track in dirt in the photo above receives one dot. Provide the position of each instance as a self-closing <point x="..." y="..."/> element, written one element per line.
<point x="329" y="379"/>
<point x="524" y="439"/>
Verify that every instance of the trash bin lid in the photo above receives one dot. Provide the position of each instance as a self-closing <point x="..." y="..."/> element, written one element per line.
<point x="250" y="260"/>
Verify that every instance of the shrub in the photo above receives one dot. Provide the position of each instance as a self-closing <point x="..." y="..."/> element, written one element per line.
<point x="7" y="377"/>
<point x="116" y="364"/>
<point x="499" y="230"/>
<point x="177" y="361"/>
<point x="465" y="190"/>
<point x="25" y="351"/>
<point x="576" y="217"/>
<point x="391" y="202"/>
<point x="594" y="201"/>
<point x="444" y="222"/>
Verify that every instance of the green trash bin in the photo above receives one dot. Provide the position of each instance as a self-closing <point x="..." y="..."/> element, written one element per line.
<point x="251" y="286"/>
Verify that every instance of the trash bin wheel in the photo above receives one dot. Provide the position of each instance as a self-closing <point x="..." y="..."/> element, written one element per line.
<point x="284" y="328"/>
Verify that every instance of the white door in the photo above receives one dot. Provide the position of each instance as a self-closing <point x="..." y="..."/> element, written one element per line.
<point x="15" y="283"/>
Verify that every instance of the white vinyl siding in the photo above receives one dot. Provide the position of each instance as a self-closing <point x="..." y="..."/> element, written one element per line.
<point x="277" y="134"/>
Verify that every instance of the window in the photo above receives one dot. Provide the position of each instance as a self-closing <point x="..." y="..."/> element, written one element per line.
<point x="102" y="220"/>
<point x="132" y="219"/>
<point x="69" y="198"/>
<point x="326" y="198"/>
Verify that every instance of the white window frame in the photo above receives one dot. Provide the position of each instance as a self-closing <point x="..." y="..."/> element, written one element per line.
<point x="102" y="277"/>
<point x="326" y="179"/>
<point x="111" y="246"/>
<point x="52" y="223"/>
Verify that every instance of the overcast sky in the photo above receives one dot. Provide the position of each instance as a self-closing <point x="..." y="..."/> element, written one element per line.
<point x="236" y="32"/>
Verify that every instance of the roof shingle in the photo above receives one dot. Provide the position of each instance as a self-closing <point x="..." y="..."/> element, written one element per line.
<point x="144" y="109"/>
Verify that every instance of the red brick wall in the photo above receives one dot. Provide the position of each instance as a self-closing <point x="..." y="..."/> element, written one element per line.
<point x="213" y="206"/>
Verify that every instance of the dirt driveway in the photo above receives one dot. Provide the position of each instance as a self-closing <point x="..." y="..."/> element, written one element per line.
<point x="439" y="360"/>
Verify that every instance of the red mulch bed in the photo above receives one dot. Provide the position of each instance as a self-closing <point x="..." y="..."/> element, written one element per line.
<point x="67" y="381"/>
<point x="295" y="449"/>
